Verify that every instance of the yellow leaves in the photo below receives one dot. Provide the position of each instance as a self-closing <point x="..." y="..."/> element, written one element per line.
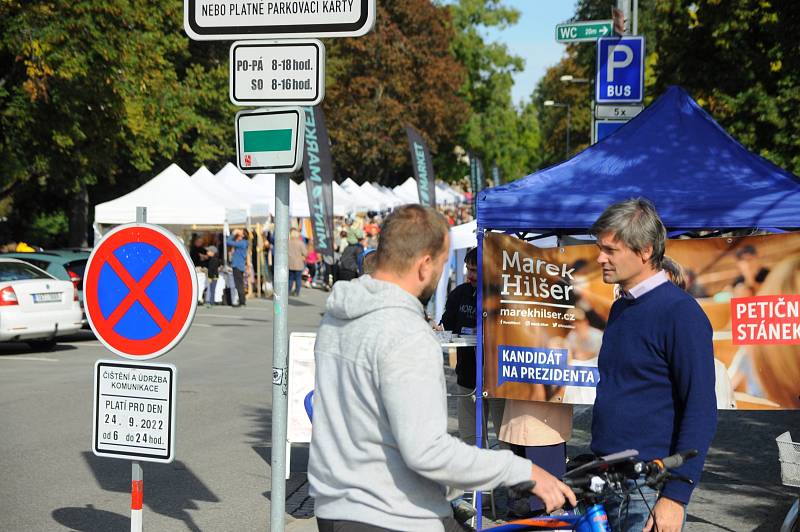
<point x="37" y="70"/>
<point x="62" y="140"/>
<point x="135" y="118"/>
<point x="694" y="21"/>
<point x="775" y="66"/>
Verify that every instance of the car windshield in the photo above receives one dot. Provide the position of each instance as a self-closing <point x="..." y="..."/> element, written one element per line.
<point x="19" y="271"/>
<point x="77" y="267"/>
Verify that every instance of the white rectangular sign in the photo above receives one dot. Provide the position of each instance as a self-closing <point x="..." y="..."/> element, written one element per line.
<point x="271" y="19"/>
<point x="134" y="411"/>
<point x="617" y="112"/>
<point x="270" y="140"/>
<point x="277" y="72"/>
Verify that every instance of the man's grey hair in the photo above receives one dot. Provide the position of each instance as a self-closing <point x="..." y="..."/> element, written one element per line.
<point x="636" y="224"/>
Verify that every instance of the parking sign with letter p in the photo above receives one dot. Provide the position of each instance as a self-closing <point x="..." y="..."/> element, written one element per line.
<point x="620" y="70"/>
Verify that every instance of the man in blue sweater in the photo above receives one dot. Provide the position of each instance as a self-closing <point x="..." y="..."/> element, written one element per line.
<point x="656" y="388"/>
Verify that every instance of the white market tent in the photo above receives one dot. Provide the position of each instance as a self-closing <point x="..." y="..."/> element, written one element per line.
<point x="236" y="209"/>
<point x="238" y="183"/>
<point x="298" y="201"/>
<point x="171" y="199"/>
<point x="361" y="200"/>
<point x="389" y="193"/>
<point x="462" y="237"/>
<point x="408" y="191"/>
<point x="379" y="198"/>
<point x="343" y="203"/>
<point x="445" y="194"/>
<point x="298" y="196"/>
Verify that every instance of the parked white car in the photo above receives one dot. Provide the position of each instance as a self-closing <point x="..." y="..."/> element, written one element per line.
<point x="35" y="307"/>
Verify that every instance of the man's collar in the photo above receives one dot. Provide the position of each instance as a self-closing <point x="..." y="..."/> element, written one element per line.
<point x="658" y="278"/>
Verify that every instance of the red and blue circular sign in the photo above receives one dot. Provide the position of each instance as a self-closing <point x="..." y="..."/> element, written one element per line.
<point x="140" y="291"/>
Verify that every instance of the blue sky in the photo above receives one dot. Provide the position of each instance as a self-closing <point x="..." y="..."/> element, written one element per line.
<point x="533" y="39"/>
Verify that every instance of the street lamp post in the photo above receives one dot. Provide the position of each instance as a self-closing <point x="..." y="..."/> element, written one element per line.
<point x="551" y="103"/>
<point x="569" y="78"/>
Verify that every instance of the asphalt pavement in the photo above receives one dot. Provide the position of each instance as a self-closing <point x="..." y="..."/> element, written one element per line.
<point x="220" y="480"/>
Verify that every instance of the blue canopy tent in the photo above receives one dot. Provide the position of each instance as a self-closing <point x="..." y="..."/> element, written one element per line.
<point x="674" y="154"/>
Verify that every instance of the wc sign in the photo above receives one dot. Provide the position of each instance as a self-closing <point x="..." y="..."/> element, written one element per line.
<point x="620" y="70"/>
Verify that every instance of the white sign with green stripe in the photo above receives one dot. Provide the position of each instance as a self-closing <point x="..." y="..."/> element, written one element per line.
<point x="270" y="140"/>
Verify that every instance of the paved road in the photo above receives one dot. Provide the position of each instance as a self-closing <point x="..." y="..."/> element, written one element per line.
<point x="49" y="480"/>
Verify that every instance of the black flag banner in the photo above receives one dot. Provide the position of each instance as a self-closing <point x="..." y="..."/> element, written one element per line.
<point x="318" y="172"/>
<point x="423" y="167"/>
<point x="476" y="177"/>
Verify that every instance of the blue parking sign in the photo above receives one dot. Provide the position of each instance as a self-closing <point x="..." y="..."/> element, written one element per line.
<point x="620" y="70"/>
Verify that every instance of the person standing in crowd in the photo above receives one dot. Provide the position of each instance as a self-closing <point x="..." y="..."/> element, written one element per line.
<point x="198" y="253"/>
<point x="348" y="264"/>
<point x="656" y="364"/>
<point x="372" y="231"/>
<point x="343" y="243"/>
<point x="459" y="317"/>
<point x="238" y="245"/>
<point x="212" y="265"/>
<point x="368" y="262"/>
<point x="297" y="261"/>
<point x="380" y="452"/>
<point x="311" y="264"/>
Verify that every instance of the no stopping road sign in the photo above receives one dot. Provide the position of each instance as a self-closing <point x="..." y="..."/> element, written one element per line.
<point x="140" y="291"/>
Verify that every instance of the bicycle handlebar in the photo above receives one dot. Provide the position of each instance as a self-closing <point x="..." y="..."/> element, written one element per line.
<point x="677" y="460"/>
<point x="592" y="479"/>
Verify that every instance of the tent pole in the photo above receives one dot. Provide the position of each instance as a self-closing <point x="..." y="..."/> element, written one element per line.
<point x="479" y="373"/>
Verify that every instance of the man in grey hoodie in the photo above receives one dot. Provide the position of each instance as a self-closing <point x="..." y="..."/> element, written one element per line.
<point x="380" y="452"/>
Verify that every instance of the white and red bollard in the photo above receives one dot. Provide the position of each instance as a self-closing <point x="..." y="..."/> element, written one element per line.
<point x="137" y="494"/>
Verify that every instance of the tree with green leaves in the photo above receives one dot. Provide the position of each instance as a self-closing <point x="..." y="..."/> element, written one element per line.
<point x="95" y="95"/>
<point x="400" y="73"/>
<point x="496" y="130"/>
<point x="740" y="59"/>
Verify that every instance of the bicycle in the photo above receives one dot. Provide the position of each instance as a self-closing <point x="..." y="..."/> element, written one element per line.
<point x="593" y="483"/>
<point x="789" y="457"/>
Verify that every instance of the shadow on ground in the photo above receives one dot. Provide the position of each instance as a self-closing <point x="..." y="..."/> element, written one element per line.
<point x="169" y="489"/>
<point x="89" y="519"/>
<point x="299" y="503"/>
<point x="21" y="348"/>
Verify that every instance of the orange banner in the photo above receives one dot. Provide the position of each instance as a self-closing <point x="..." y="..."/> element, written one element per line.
<point x="546" y="309"/>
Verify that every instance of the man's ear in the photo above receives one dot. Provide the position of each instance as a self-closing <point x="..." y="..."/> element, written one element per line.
<point x="646" y="254"/>
<point x="424" y="265"/>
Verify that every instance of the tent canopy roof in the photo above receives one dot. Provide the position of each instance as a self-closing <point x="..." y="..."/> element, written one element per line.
<point x="674" y="154"/>
<point x="171" y="198"/>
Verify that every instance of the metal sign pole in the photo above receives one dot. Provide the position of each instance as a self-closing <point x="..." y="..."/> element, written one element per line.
<point x="280" y="350"/>
<point x="137" y="475"/>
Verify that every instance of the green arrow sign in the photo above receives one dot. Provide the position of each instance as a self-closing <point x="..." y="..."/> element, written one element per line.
<point x="590" y="30"/>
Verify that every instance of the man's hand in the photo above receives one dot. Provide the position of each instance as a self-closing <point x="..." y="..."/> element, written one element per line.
<point x="668" y="516"/>
<point x="552" y="491"/>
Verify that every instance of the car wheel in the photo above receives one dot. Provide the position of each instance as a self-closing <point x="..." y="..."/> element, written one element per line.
<point x="42" y="345"/>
